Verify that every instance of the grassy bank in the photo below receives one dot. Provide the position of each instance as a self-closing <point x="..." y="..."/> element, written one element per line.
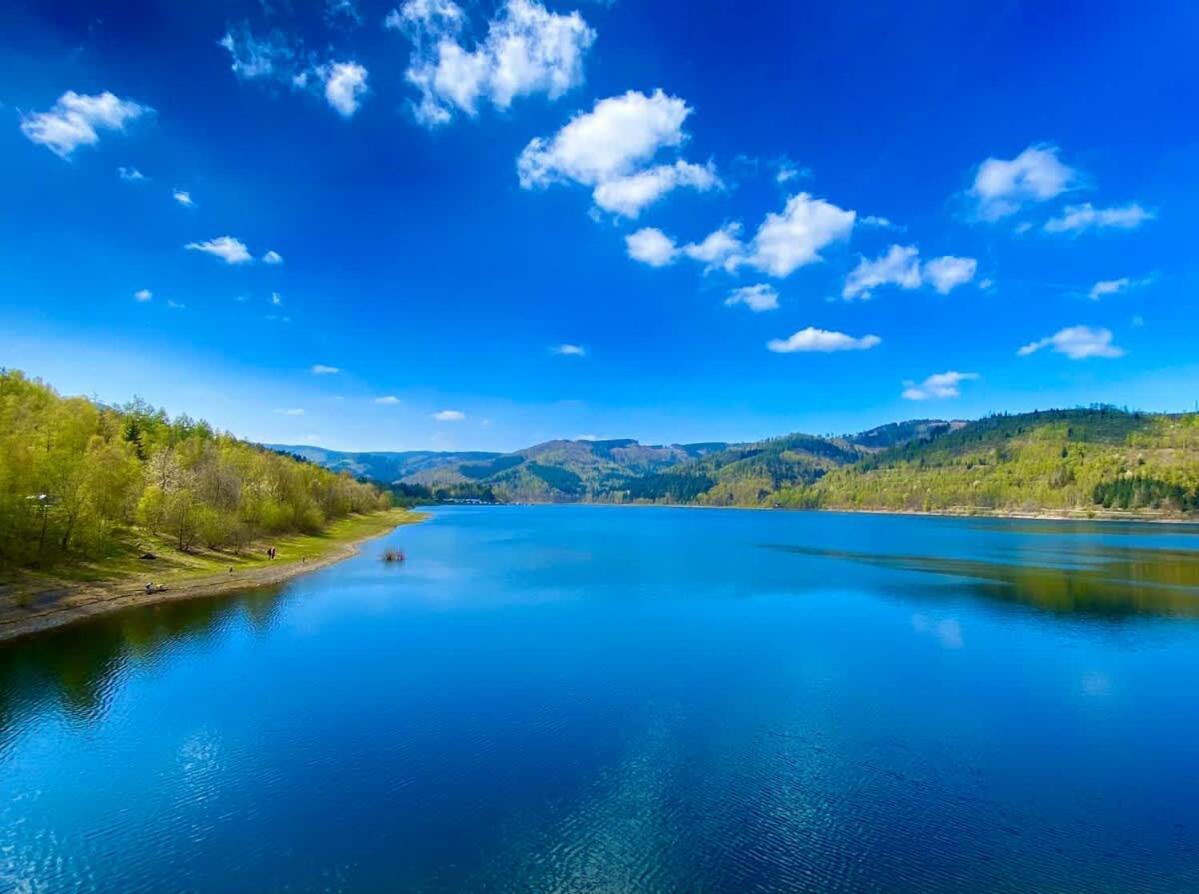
<point x="30" y="602"/>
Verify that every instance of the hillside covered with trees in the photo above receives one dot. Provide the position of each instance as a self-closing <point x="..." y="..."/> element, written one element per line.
<point x="82" y="481"/>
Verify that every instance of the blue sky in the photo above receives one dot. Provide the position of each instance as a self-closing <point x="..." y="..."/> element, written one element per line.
<point x="495" y="224"/>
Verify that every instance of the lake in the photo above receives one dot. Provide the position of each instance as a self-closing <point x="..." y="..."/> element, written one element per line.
<point x="602" y="699"/>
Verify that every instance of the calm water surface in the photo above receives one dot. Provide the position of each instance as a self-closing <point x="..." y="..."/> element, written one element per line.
<point x="590" y="699"/>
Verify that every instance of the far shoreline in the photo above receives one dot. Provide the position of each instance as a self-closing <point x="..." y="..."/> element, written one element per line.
<point x="1106" y="516"/>
<point x="84" y="601"/>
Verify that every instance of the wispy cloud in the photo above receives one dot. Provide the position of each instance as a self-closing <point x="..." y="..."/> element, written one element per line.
<point x="143" y="295"/>
<point x="449" y="416"/>
<point x="1107" y="287"/>
<point x="938" y="385"/>
<point x="320" y="369"/>
<point x="227" y="248"/>
<point x="131" y="175"/>
<point x="183" y="197"/>
<point x="294" y="411"/>
<point x="1077" y="343"/>
<point x="1078" y="218"/>
<point x="389" y="400"/>
<point x="569" y="350"/>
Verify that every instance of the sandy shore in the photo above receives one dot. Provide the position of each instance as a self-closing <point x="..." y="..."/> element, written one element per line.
<point x="79" y="602"/>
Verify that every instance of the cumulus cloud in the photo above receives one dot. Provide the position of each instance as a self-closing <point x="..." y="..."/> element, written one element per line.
<point x="527" y="50"/>
<point x="143" y="295"/>
<point x="650" y="246"/>
<point x="608" y="149"/>
<point x="279" y="58"/>
<point x="320" y="369"/>
<point x="131" y="175"/>
<point x="793" y="239"/>
<point x="823" y="341"/>
<point x="76" y="118"/>
<point x="719" y="249"/>
<point x="345" y="86"/>
<point x="389" y="400"/>
<point x="947" y="273"/>
<point x="938" y="385"/>
<point x="568" y="350"/>
<point x="272" y="257"/>
<point x="901" y="267"/>
<point x="1077" y="218"/>
<point x="1002" y="187"/>
<point x="757" y="298"/>
<point x="449" y="416"/>
<point x="1077" y="343"/>
<point x="227" y="248"/>
<point x="183" y="197"/>
<point x="629" y="194"/>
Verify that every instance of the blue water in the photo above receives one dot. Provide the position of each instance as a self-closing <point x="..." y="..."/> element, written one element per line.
<point x="593" y="699"/>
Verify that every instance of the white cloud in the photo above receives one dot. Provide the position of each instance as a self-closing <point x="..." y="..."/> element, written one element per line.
<point x="320" y="369"/>
<point x="527" y="50"/>
<point x="651" y="246"/>
<point x="449" y="416"/>
<point x="720" y="248"/>
<point x="900" y="266"/>
<point x="76" y="117"/>
<point x="1077" y="343"/>
<point x="228" y="249"/>
<point x="1077" y="218"/>
<point x="757" y="298"/>
<point x="175" y="305"/>
<point x="255" y="57"/>
<point x="282" y="59"/>
<point x="795" y="238"/>
<point x="1108" y="287"/>
<point x="938" y="385"/>
<point x="568" y="350"/>
<point x="143" y="295"/>
<point x="345" y="86"/>
<point x="947" y="273"/>
<point x="276" y="299"/>
<point x="822" y="340"/>
<point x="1002" y="187"/>
<point x="874" y="220"/>
<point x="612" y="140"/>
<point x="183" y="197"/>
<point x="294" y="411"/>
<point x="131" y="175"/>
<point x="272" y="257"/>
<point x="389" y="400"/>
<point x="628" y="195"/>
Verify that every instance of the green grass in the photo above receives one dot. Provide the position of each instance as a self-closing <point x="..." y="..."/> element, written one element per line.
<point x="172" y="566"/>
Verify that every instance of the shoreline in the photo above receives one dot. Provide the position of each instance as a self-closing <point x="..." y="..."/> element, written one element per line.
<point x="965" y="512"/>
<point x="81" y="602"/>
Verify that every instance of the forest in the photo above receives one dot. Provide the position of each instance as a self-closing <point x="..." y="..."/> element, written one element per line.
<point x="81" y="480"/>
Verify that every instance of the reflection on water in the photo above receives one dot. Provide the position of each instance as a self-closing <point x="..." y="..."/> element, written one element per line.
<point x="79" y="665"/>
<point x="1096" y="581"/>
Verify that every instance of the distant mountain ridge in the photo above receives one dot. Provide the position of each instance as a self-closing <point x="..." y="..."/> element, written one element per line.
<point x="1080" y="460"/>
